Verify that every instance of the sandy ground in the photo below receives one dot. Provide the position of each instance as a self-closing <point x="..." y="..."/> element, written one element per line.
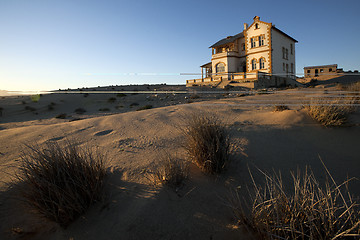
<point x="132" y="207"/>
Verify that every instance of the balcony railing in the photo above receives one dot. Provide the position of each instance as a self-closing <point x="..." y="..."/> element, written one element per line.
<point x="225" y="54"/>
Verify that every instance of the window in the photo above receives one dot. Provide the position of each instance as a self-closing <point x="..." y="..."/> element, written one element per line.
<point x="253" y="43"/>
<point x="284" y="67"/>
<point x="256" y="26"/>
<point x="330" y="69"/>
<point x="292" y="68"/>
<point x="321" y="70"/>
<point x="291" y="49"/>
<point x="287" y="53"/>
<point x="287" y="68"/>
<point x="283" y="53"/>
<point x="262" y="63"/>
<point x="253" y="64"/>
<point x="308" y="71"/>
<point x="220" y="67"/>
<point x="261" y="40"/>
<point x="243" y="46"/>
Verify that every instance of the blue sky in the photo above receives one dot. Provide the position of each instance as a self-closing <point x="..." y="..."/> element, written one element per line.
<point x="48" y="44"/>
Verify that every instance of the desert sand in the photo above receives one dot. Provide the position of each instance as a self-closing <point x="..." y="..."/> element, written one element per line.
<point x="133" y="208"/>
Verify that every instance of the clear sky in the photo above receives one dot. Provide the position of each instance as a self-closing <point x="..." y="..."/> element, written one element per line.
<point x="52" y="44"/>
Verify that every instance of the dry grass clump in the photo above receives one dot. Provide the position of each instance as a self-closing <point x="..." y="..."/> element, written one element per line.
<point x="207" y="142"/>
<point x="61" y="116"/>
<point x="171" y="171"/>
<point x="80" y="110"/>
<point x="330" y="112"/>
<point x="309" y="212"/>
<point x="61" y="182"/>
<point x="280" y="108"/>
<point x="144" y="107"/>
<point x="112" y="100"/>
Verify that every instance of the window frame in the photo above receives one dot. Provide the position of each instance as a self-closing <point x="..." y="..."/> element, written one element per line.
<point x="261" y="40"/>
<point x="262" y="63"/>
<point x="253" y="64"/>
<point x="217" y="67"/>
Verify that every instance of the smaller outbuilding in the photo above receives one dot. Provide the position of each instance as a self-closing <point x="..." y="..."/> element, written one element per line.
<point x="323" y="70"/>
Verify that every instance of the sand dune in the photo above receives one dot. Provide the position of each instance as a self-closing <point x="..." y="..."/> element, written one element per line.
<point x="133" y="208"/>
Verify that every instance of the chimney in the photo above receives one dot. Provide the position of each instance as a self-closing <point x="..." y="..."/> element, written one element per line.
<point x="256" y="18"/>
<point x="245" y="26"/>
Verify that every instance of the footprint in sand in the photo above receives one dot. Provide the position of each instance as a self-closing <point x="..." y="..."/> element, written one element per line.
<point x="102" y="133"/>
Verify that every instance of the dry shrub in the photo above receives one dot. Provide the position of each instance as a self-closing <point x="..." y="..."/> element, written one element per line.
<point x="309" y="212"/>
<point x="144" y="107"/>
<point x="207" y="142"/>
<point x="171" y="171"/>
<point x="80" y="111"/>
<point x="330" y="112"/>
<point x="61" y="182"/>
<point x="280" y="108"/>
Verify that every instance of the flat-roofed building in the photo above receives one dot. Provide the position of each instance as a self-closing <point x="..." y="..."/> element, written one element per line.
<point x="322" y="70"/>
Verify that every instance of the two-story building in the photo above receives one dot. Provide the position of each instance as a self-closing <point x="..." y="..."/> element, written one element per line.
<point x="260" y="56"/>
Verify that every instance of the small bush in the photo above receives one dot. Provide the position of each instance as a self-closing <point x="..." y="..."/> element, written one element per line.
<point x="61" y="116"/>
<point x="134" y="104"/>
<point x="32" y="109"/>
<point x="207" y="142"/>
<point x="171" y="172"/>
<point x="195" y="96"/>
<point x="121" y="95"/>
<point x="144" y="107"/>
<point x="80" y="111"/>
<point x="104" y="109"/>
<point x="112" y="100"/>
<point x="50" y="107"/>
<point x="308" y="212"/>
<point x="330" y="112"/>
<point x="119" y="106"/>
<point x="61" y="182"/>
<point x="280" y="108"/>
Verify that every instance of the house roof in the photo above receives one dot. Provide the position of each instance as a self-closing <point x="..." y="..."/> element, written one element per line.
<point x="227" y="40"/>
<point x="273" y="27"/>
<point x="322" y="66"/>
<point x="206" y="64"/>
<point x="241" y="35"/>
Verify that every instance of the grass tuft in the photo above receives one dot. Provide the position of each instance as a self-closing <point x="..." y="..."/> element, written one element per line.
<point x="330" y="112"/>
<point x="80" y="111"/>
<point x="61" y="116"/>
<point x="32" y="109"/>
<point x="61" y="182"/>
<point x="171" y="171"/>
<point x="144" y="107"/>
<point x="309" y="212"/>
<point x="280" y="108"/>
<point x="207" y="142"/>
<point x="112" y="100"/>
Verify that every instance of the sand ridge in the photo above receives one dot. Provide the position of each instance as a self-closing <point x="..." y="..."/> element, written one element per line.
<point x="134" y="209"/>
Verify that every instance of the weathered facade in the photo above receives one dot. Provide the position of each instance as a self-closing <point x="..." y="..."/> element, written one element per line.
<point x="323" y="70"/>
<point x="260" y="56"/>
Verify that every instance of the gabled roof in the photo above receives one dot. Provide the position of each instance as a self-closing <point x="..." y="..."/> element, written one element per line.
<point x="273" y="27"/>
<point x="227" y="40"/>
<point x="241" y="35"/>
